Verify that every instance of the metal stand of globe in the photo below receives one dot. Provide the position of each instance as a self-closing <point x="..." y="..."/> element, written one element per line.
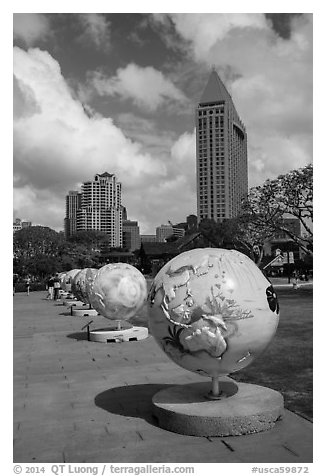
<point x="212" y="312"/>
<point x="215" y="392"/>
<point x="117" y="293"/>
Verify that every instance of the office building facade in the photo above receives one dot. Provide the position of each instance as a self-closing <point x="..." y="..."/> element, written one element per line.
<point x="148" y="239"/>
<point x="73" y="204"/>
<point x="130" y="235"/>
<point x="221" y="154"/>
<point x="163" y="232"/>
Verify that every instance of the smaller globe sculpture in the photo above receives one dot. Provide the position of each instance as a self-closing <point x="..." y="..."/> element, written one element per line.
<point x="66" y="285"/>
<point x="62" y="291"/>
<point x="89" y="282"/>
<point x="81" y="284"/>
<point x="77" y="284"/>
<point x="66" y="282"/>
<point x="117" y="293"/>
<point x="212" y="311"/>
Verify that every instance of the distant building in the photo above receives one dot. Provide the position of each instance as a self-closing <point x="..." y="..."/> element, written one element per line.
<point x="154" y="255"/>
<point x="148" y="239"/>
<point x="281" y="241"/>
<point x="163" y="232"/>
<point x="18" y="224"/>
<point x="73" y="204"/>
<point x="130" y="235"/>
<point x="96" y="207"/>
<point x="192" y="222"/>
<point x="221" y="154"/>
<point x="178" y="231"/>
<point x="124" y="213"/>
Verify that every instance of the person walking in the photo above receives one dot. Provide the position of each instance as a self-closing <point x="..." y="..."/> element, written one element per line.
<point x="28" y="284"/>
<point x="295" y="280"/>
<point x="50" y="285"/>
<point x="56" y="286"/>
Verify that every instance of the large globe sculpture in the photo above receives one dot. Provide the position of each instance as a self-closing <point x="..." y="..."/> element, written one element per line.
<point x="119" y="290"/>
<point x="212" y="311"/>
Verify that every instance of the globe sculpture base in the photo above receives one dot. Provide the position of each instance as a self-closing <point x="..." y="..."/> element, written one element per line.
<point x="237" y="409"/>
<point x="75" y="303"/>
<point x="83" y="311"/>
<point x="126" y="333"/>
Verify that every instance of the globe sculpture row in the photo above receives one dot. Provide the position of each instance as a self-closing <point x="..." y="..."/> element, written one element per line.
<point x="116" y="291"/>
<point x="212" y="311"/>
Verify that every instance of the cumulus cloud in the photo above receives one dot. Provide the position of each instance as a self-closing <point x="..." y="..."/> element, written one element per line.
<point x="96" y="29"/>
<point x="147" y="132"/>
<point x="30" y="27"/>
<point x="59" y="142"/>
<point x="174" y="197"/>
<point x="57" y="146"/>
<point x="147" y="87"/>
<point x="203" y="30"/>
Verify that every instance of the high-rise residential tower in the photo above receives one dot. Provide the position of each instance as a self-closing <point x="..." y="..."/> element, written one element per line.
<point x="101" y="208"/>
<point x="221" y="154"/>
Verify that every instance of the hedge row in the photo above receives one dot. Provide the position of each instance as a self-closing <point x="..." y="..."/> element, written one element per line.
<point x="21" y="287"/>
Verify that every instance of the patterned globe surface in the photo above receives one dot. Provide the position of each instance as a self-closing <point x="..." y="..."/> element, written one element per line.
<point x="66" y="281"/>
<point x="78" y="285"/>
<point x="89" y="281"/>
<point x="119" y="291"/>
<point x="212" y="311"/>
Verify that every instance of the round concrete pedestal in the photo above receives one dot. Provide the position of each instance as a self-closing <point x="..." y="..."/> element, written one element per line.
<point x="242" y="409"/>
<point x="70" y="303"/>
<point x="83" y="311"/>
<point x="110" y="334"/>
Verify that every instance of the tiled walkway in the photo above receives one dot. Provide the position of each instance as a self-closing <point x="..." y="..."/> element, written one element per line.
<point x="83" y="402"/>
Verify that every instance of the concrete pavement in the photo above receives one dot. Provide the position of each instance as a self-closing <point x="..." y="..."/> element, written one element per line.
<point x="82" y="402"/>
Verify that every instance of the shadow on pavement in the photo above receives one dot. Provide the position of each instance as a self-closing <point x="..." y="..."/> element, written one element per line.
<point x="78" y="335"/>
<point x="131" y="400"/>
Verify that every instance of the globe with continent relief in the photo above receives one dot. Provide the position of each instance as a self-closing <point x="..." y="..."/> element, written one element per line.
<point x="212" y="311"/>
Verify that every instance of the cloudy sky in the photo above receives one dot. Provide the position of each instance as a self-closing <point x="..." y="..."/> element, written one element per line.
<point x="117" y="92"/>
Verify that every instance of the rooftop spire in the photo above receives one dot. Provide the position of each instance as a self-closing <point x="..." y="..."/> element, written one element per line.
<point x="214" y="90"/>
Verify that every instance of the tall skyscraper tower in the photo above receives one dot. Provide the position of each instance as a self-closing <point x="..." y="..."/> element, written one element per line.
<point x="221" y="154"/>
<point x="101" y="207"/>
<point x="73" y="203"/>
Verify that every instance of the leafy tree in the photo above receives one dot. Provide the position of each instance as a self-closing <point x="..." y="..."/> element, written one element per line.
<point x="36" y="251"/>
<point x="290" y="194"/>
<point x="213" y="232"/>
<point x="94" y="240"/>
<point x="36" y="240"/>
<point x="246" y="237"/>
<point x="236" y="233"/>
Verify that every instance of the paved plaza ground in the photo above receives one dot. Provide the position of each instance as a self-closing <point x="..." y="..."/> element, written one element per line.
<point x="83" y="402"/>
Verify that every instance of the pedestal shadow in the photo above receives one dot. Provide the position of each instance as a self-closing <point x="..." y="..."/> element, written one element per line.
<point x="130" y="401"/>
